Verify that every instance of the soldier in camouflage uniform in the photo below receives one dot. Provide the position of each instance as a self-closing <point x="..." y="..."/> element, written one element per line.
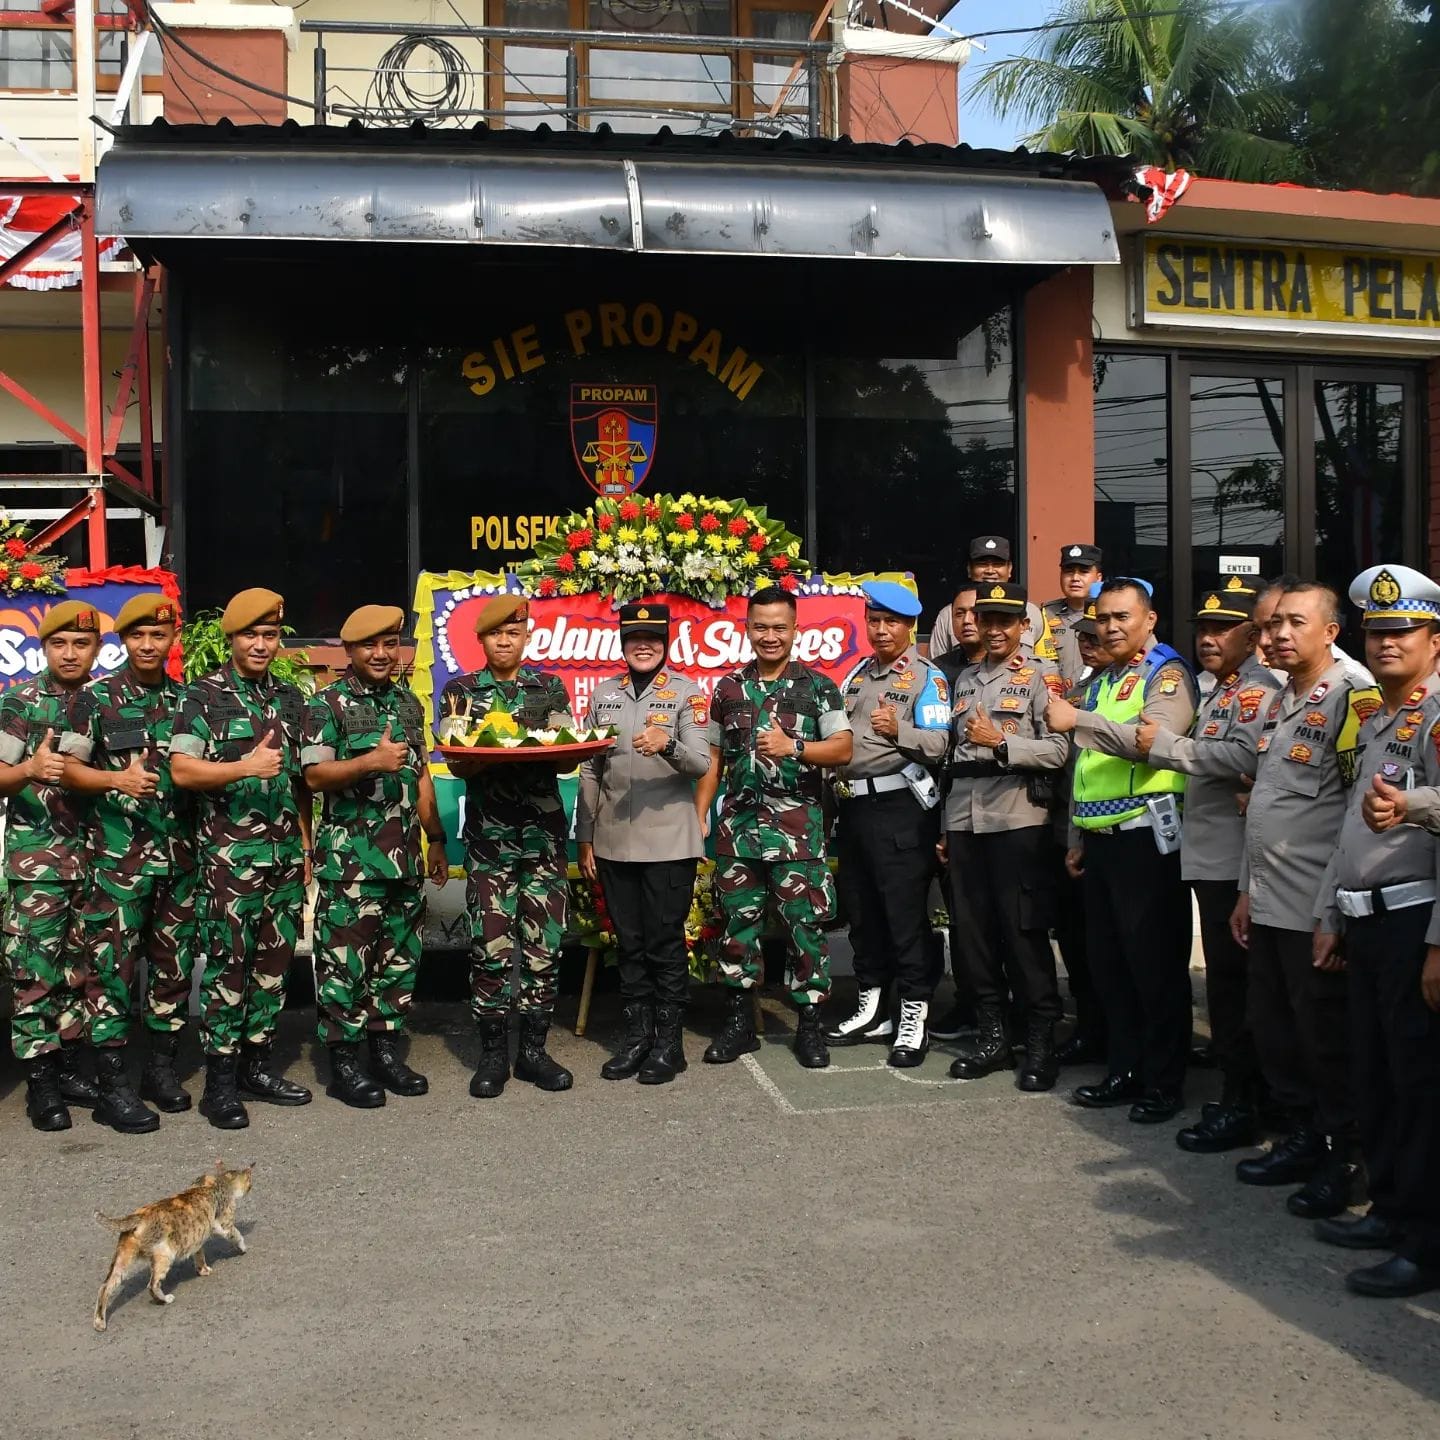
<point x="236" y="743"/>
<point x="365" y="751"/>
<point x="773" y="726"/>
<point x="45" y="869"/>
<point x="515" y="873"/>
<point x="140" y="838"/>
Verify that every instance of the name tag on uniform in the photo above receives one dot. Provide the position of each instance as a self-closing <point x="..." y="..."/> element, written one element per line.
<point x="360" y="720"/>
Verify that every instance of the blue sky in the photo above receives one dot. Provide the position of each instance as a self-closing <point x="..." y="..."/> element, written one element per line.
<point x="978" y="126"/>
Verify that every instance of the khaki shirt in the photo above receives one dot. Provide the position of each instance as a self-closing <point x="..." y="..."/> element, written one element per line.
<point x="942" y="632"/>
<point x="1223" y="746"/>
<point x="1013" y="693"/>
<point x="921" y="697"/>
<point x="1298" y="802"/>
<point x="1060" y="621"/>
<point x="1400" y="747"/>
<point x="642" y="807"/>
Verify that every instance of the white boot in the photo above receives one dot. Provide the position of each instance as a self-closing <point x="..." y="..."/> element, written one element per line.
<point x="868" y="1023"/>
<point x="911" y="1041"/>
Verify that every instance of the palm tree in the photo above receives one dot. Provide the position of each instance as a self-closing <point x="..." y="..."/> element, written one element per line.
<point x="1174" y="83"/>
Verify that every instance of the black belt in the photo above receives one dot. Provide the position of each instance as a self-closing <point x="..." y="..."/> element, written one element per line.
<point x="976" y="769"/>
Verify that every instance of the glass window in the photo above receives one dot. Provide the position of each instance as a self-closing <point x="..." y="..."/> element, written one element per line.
<point x="1132" y="471"/>
<point x="32" y="59"/>
<point x="889" y="432"/>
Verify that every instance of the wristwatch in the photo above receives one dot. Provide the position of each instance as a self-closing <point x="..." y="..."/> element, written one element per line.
<point x="799" y="749"/>
<point x="668" y="749"/>
<point x="437" y="839"/>
<point x="1002" y="752"/>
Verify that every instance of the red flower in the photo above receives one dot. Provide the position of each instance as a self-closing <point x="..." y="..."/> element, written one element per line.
<point x="31" y="571"/>
<point x="15" y="549"/>
<point x="684" y="521"/>
<point x="580" y="539"/>
<point x="606" y="521"/>
<point x="739" y="525"/>
<point x="789" y="582"/>
<point x="4" y="573"/>
<point x="547" y="585"/>
<point x="565" y="562"/>
<point x="709" y="523"/>
<point x="652" y="510"/>
<point x="629" y="510"/>
<point x="781" y="562"/>
<point x="757" y="542"/>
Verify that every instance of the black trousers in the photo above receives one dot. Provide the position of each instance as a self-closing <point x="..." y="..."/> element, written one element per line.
<point x="1003" y="886"/>
<point x="1395" y="1064"/>
<point x="886" y="847"/>
<point x="1227" y="967"/>
<point x="1137" y="917"/>
<point x="1070" y="935"/>
<point x="648" y="902"/>
<point x="1298" y="1018"/>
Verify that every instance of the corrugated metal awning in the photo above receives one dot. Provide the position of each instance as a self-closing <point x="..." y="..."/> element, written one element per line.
<point x="153" y="192"/>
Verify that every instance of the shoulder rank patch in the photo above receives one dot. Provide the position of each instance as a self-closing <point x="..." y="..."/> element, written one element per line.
<point x="1319" y="692"/>
<point x="1417" y="694"/>
<point x="1127" y="687"/>
<point x="1300" y="753"/>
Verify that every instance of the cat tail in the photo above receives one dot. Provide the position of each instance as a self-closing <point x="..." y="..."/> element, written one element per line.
<point x="123" y="1224"/>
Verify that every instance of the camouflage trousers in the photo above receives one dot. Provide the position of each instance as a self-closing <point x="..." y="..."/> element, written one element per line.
<point x="515" y="881"/>
<point x="47" y="968"/>
<point x="803" y="892"/>
<point x="123" y="917"/>
<point x="250" y="926"/>
<point x="367" y="949"/>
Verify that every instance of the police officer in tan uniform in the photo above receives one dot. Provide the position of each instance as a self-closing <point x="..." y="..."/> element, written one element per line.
<point x="899" y="709"/>
<point x="1080" y="568"/>
<point x="990" y="563"/>
<point x="638" y="834"/>
<point x="999" y="841"/>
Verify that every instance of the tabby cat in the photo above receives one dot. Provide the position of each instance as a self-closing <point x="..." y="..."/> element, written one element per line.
<point x="172" y="1229"/>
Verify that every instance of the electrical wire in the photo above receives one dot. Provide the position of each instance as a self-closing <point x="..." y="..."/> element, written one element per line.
<point x="396" y="93"/>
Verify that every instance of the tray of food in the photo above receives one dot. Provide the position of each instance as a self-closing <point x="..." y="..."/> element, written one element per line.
<point x="498" y="736"/>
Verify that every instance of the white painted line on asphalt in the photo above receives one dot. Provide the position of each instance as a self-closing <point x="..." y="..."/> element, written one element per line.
<point x="768" y="1085"/>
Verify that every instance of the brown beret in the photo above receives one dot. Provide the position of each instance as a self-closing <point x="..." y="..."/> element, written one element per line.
<point x="371" y="620"/>
<point x="70" y="615"/>
<point x="250" y="607"/>
<point x="147" y="609"/>
<point x="500" y="611"/>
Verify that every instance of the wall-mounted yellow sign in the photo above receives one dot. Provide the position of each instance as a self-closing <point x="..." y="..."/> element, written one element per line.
<point x="1255" y="286"/>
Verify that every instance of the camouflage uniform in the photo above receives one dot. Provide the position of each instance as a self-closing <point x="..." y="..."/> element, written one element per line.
<point x="770" y="843"/>
<point x="45" y="871"/>
<point x="142" y="859"/>
<point x="515" y="831"/>
<point x="367" y="861"/>
<point x="251" y="863"/>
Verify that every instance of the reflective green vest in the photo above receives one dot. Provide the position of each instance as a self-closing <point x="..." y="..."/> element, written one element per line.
<point x="1108" y="788"/>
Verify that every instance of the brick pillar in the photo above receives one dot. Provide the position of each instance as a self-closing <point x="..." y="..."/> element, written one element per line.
<point x="1058" y="487"/>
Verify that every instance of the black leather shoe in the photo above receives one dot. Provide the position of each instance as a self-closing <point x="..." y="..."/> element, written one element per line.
<point x="76" y="1087"/>
<point x="493" y="1069"/>
<point x="43" y="1102"/>
<point x="667" y="1055"/>
<point x="639" y="1037"/>
<point x="1123" y="1089"/>
<point x="256" y="1078"/>
<point x="1330" y="1191"/>
<point x="1084" y="1047"/>
<point x="738" y="1037"/>
<point x="1156" y="1106"/>
<point x="533" y="1062"/>
<point x="1221" y="1127"/>
<point x="1296" y="1157"/>
<point x="809" y="1046"/>
<point x="220" y="1104"/>
<point x="389" y="1069"/>
<point x="988" y="1052"/>
<point x="1363" y="1232"/>
<point x="120" y="1107"/>
<point x="1393" y="1279"/>
<point x="159" y="1083"/>
<point x="349" y="1083"/>
<point x="1040" y="1069"/>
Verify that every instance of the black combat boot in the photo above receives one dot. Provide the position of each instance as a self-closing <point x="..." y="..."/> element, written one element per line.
<point x="120" y="1107"/>
<point x="1040" y="1069"/>
<point x="494" y="1068"/>
<point x="348" y="1082"/>
<point x="667" y="1055"/>
<point x="639" y="1037"/>
<point x="1296" y="1157"/>
<point x="258" y="1079"/>
<point x="43" y="1102"/>
<point x="809" y="1047"/>
<point x="76" y="1087"/>
<point x="1336" y="1185"/>
<point x="220" y="1104"/>
<point x="159" y="1083"/>
<point x="988" y="1052"/>
<point x="389" y="1069"/>
<point x="738" y="1037"/>
<point x="532" y="1061"/>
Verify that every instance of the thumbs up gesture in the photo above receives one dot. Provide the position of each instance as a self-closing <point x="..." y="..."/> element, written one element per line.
<point x="263" y="762"/>
<point x="1145" y="733"/>
<point x="135" y="780"/>
<point x="1384" y="807"/>
<point x="46" y="765"/>
<point x="389" y="755"/>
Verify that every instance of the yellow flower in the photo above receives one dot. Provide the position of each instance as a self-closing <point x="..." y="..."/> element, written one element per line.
<point x="793" y="549"/>
<point x="750" y="516"/>
<point x="627" y="533"/>
<point x="749" y="559"/>
<point x="686" y="500"/>
<point x="587" y="559"/>
<point x="569" y="587"/>
<point x="732" y="542"/>
<point x="713" y="542"/>
<point x="604" y="542"/>
<point x="714" y="504"/>
<point x="763" y="582"/>
<point x="692" y="538"/>
<point x="650" y="534"/>
<point x="675" y="538"/>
